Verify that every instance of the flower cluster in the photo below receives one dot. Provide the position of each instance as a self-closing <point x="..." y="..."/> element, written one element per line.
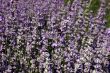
<point x="54" y="36"/>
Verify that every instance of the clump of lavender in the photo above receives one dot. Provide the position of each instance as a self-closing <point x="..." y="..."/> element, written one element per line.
<point x="54" y="36"/>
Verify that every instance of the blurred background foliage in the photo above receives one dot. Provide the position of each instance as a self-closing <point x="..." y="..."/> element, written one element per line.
<point x="107" y="16"/>
<point x="94" y="6"/>
<point x="68" y="1"/>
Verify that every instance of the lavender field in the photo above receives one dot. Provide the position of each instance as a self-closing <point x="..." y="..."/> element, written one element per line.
<point x="54" y="36"/>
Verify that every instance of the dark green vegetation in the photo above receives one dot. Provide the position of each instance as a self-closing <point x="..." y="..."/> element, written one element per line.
<point x="107" y="16"/>
<point x="94" y="6"/>
<point x="68" y="1"/>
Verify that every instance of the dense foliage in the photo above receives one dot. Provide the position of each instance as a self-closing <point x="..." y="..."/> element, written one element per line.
<point x="54" y="36"/>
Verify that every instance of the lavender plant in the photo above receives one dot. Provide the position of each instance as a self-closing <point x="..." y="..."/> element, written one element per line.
<point x="54" y="36"/>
